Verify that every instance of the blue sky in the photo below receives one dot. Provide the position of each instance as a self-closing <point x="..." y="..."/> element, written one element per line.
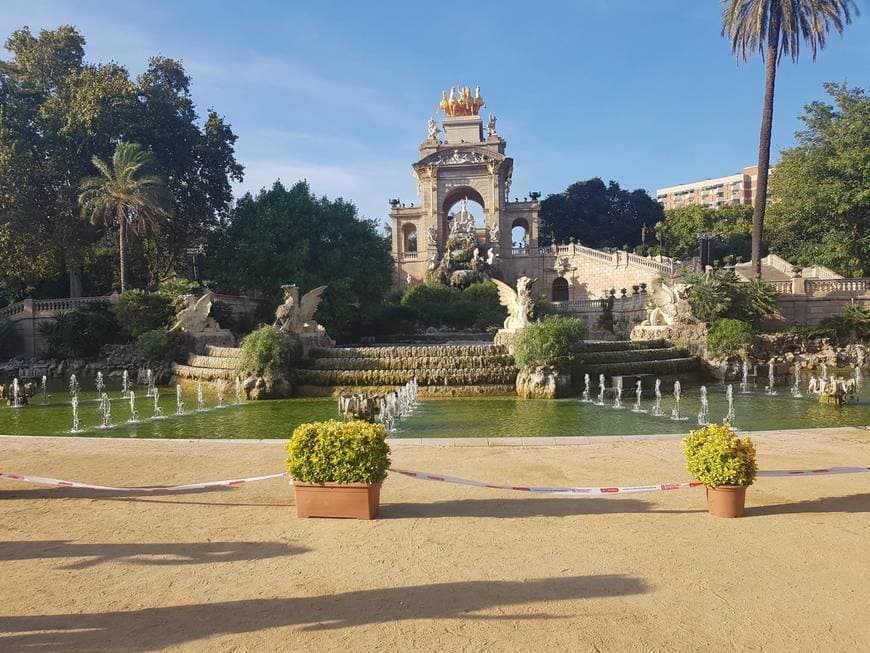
<point x="645" y="92"/>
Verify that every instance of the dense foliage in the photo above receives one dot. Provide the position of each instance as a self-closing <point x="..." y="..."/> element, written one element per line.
<point x="721" y="294"/>
<point x="598" y="215"/>
<point x="289" y="236"/>
<point x="475" y="307"/>
<point x="853" y="324"/>
<point x="8" y="337"/>
<point x="823" y="213"/>
<point x="731" y="226"/>
<point x="338" y="452"/>
<point x="161" y="345"/>
<point x="138" y="311"/>
<point x="270" y="352"/>
<point x="729" y="336"/>
<point x="716" y="456"/>
<point x="58" y="111"/>
<point x="80" y="332"/>
<point x="549" y="342"/>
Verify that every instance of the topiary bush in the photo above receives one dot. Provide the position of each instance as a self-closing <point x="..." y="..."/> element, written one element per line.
<point x="338" y="452"/>
<point x="716" y="456"/>
<point x="138" y="312"/>
<point x="270" y="352"/>
<point x="549" y="342"/>
<point x="729" y="336"/>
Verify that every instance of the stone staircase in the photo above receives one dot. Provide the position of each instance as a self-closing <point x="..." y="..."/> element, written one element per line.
<point x="643" y="360"/>
<point x="440" y="370"/>
<point x="216" y="363"/>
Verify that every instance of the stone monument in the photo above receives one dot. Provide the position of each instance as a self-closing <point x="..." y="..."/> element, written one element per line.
<point x="519" y="304"/>
<point x="296" y="315"/>
<point x="194" y="319"/>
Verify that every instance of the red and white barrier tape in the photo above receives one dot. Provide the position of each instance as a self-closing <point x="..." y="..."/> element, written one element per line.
<point x="604" y="490"/>
<point x="573" y="491"/>
<point x="41" y="480"/>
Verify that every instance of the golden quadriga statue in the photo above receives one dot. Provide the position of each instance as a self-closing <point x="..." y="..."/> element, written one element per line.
<point x="461" y="103"/>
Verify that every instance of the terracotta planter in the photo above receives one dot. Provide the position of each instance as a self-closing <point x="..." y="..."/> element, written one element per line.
<point x="726" y="500"/>
<point x="342" y="500"/>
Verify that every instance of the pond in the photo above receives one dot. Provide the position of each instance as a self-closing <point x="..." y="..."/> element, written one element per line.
<point x="488" y="417"/>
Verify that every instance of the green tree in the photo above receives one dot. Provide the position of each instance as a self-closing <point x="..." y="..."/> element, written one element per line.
<point x="823" y="213"/>
<point x="731" y="225"/>
<point x="127" y="195"/>
<point x="56" y="112"/>
<point x="599" y="215"/>
<point x="776" y="28"/>
<point x="290" y="236"/>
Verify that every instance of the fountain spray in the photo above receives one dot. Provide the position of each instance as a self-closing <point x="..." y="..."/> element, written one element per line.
<point x="134" y="414"/>
<point x="703" y="414"/>
<point x="158" y="411"/>
<point x="100" y="383"/>
<point x="729" y="396"/>
<point x="744" y="381"/>
<point x="76" y="422"/>
<point x="149" y="382"/>
<point x="105" y="411"/>
<point x="200" y="402"/>
<point x="586" y="382"/>
<point x="638" y="391"/>
<point x="125" y="383"/>
<point x="179" y="404"/>
<point x="600" y="401"/>
<point x="771" y="378"/>
<point x="617" y="399"/>
<point x="73" y="385"/>
<point x="675" y="413"/>
<point x="44" y="387"/>
<point x="238" y="391"/>
<point x="220" y="385"/>
<point x="796" y="388"/>
<point x="657" y="407"/>
<point x="17" y="399"/>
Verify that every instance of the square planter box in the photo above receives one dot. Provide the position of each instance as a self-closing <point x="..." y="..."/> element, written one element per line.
<point x="342" y="500"/>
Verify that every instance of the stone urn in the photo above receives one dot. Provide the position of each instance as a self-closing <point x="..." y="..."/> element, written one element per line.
<point x="543" y="382"/>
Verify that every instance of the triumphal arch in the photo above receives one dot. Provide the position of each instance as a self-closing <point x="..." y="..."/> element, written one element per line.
<point x="461" y="162"/>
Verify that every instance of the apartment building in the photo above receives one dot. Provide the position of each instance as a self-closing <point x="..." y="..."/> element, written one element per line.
<point x="733" y="189"/>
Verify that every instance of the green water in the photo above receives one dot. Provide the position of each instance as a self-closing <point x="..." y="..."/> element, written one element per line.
<point x="490" y="417"/>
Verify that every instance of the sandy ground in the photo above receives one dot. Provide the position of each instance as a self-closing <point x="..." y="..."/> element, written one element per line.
<point x="445" y="567"/>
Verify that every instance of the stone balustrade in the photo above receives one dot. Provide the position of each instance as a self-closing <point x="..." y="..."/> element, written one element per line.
<point x="823" y="287"/>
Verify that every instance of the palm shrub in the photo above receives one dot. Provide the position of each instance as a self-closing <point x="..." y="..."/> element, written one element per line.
<point x="852" y="324"/>
<point x="753" y="300"/>
<point x="549" y="342"/>
<point x="269" y="352"/>
<point x="729" y="336"/>
<point x="80" y="332"/>
<point x="716" y="456"/>
<point x="708" y="294"/>
<point x="338" y="452"/>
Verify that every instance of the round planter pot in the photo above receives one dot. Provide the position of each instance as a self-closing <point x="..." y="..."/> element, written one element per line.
<point x="726" y="500"/>
<point x="338" y="500"/>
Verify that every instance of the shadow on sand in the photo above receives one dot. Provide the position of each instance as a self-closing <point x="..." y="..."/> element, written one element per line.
<point x="520" y="508"/>
<point x="165" y="626"/>
<point x="851" y="503"/>
<point x="158" y="553"/>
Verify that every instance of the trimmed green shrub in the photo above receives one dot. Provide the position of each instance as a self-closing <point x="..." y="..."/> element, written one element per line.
<point x="729" y="336"/>
<point x="549" y="342"/>
<point x="338" y="452"/>
<point x="716" y="456"/>
<point x="434" y="304"/>
<point x="138" y="311"/>
<point x="269" y="352"/>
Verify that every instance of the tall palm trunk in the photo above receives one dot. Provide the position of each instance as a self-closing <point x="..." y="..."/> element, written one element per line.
<point x="764" y="141"/>
<point x="122" y="242"/>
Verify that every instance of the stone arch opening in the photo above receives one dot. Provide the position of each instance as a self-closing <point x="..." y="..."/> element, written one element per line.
<point x="560" y="290"/>
<point x="409" y="238"/>
<point x="476" y="205"/>
<point x="520" y="233"/>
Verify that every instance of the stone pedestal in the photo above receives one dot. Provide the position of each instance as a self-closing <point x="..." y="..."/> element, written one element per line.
<point x="214" y="337"/>
<point x="315" y="340"/>
<point x="544" y="382"/>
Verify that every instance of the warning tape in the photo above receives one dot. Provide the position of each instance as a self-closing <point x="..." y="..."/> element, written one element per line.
<point x="605" y="490"/>
<point x="41" y="480"/>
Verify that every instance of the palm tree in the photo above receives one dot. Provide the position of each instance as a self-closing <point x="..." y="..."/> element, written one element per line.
<point x="775" y="28"/>
<point x="126" y="194"/>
